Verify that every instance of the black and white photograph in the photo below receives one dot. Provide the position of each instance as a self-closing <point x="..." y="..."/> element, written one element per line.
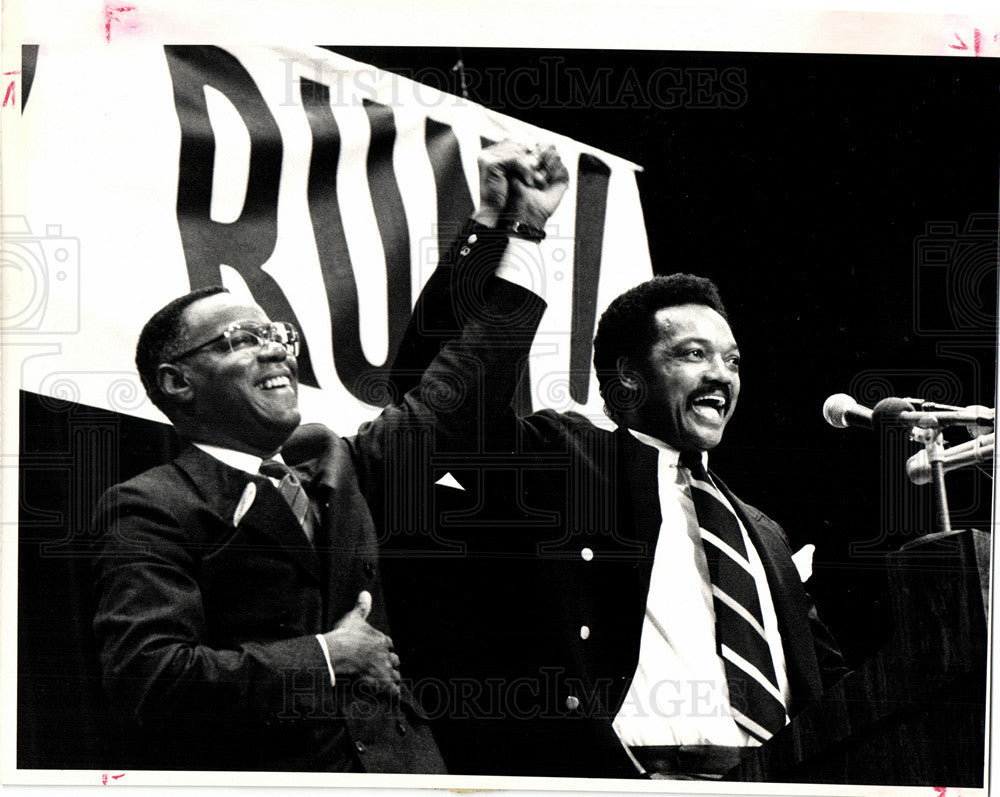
<point x="489" y="407"/>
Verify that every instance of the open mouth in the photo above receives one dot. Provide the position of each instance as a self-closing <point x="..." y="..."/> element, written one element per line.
<point x="275" y="382"/>
<point x="710" y="406"/>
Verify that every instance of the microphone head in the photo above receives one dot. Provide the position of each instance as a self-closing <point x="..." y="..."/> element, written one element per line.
<point x="836" y="407"/>
<point x="888" y="410"/>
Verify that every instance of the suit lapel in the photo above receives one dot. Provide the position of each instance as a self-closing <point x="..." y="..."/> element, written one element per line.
<point x="323" y="463"/>
<point x="222" y="488"/>
<point x="787" y="596"/>
<point x="640" y="465"/>
<point x="639" y="518"/>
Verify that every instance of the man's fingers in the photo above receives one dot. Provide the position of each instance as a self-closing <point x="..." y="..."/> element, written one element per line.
<point x="393" y="661"/>
<point x="553" y="166"/>
<point x="364" y="605"/>
<point x="523" y="168"/>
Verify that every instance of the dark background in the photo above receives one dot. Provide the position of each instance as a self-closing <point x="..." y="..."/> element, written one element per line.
<point x="846" y="206"/>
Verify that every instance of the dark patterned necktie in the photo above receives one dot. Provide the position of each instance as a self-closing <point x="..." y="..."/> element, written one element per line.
<point x="292" y="491"/>
<point x="754" y="697"/>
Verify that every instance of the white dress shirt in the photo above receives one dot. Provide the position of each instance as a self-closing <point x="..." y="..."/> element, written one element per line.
<point x="679" y="694"/>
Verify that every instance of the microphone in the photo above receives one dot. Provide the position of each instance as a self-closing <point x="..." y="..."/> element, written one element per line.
<point x="971" y="452"/>
<point x="841" y="411"/>
<point x="974" y="429"/>
<point x="897" y="411"/>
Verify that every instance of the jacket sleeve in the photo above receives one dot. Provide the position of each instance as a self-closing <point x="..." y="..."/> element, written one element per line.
<point x="461" y="360"/>
<point x="151" y="628"/>
<point x="453" y="291"/>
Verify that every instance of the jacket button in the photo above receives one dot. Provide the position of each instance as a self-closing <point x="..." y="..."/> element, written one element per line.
<point x="401" y="728"/>
<point x="586" y="554"/>
<point x="360" y="746"/>
<point x="473" y="238"/>
<point x="464" y="251"/>
<point x="584" y="632"/>
<point x="572" y="702"/>
<point x="369" y="569"/>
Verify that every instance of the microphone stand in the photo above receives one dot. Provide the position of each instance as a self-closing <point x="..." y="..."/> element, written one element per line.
<point x="929" y="433"/>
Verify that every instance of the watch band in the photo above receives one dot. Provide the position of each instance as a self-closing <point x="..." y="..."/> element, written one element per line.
<point x="520" y="229"/>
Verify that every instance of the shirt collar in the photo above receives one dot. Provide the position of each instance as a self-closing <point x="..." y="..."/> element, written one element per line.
<point x="668" y="454"/>
<point x="241" y="460"/>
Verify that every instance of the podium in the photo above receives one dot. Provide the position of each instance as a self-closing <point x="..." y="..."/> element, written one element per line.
<point x="914" y="714"/>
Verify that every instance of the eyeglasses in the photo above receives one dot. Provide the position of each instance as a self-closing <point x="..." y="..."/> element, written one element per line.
<point x="244" y="335"/>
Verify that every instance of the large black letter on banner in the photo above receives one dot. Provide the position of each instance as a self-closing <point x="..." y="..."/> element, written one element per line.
<point x="247" y="243"/>
<point x="591" y="205"/>
<point x="454" y="204"/>
<point x="355" y="372"/>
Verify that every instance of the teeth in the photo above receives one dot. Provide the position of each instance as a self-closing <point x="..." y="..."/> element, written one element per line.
<point x="276" y="381"/>
<point x="710" y="406"/>
<point x="718" y="401"/>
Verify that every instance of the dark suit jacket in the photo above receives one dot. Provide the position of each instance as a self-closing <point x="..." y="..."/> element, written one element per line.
<point x="557" y="524"/>
<point x="205" y="628"/>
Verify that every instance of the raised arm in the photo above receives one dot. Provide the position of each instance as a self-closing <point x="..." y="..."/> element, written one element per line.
<point x="464" y="350"/>
<point x="465" y="270"/>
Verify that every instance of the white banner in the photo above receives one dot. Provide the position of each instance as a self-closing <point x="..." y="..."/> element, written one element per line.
<point x="322" y="187"/>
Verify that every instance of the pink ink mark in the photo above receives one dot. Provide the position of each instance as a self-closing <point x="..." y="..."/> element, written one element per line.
<point x="941" y="790"/>
<point x="104" y="779"/>
<point x="115" y="777"/>
<point x="977" y="42"/>
<point x="111" y="15"/>
<point x="10" y="96"/>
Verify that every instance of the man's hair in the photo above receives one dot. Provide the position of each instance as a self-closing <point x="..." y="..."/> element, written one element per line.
<point x="627" y="328"/>
<point x="159" y="340"/>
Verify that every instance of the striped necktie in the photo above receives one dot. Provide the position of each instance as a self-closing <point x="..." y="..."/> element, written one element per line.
<point x="754" y="697"/>
<point x="292" y="491"/>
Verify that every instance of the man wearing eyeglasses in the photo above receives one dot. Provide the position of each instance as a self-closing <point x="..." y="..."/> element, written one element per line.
<point x="240" y="619"/>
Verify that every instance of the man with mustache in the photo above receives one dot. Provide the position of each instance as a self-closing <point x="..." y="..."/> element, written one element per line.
<point x="654" y="623"/>
<point x="240" y="616"/>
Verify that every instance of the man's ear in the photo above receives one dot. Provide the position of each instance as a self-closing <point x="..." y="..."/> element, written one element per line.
<point x="627" y="375"/>
<point x="174" y="384"/>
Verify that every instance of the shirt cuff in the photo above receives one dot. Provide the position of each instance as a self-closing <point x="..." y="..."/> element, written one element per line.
<point x="522" y="264"/>
<point x="326" y="655"/>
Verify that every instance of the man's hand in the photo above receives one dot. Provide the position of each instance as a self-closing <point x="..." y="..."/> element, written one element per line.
<point x="519" y="183"/>
<point x="532" y="202"/>
<point x="358" y="650"/>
